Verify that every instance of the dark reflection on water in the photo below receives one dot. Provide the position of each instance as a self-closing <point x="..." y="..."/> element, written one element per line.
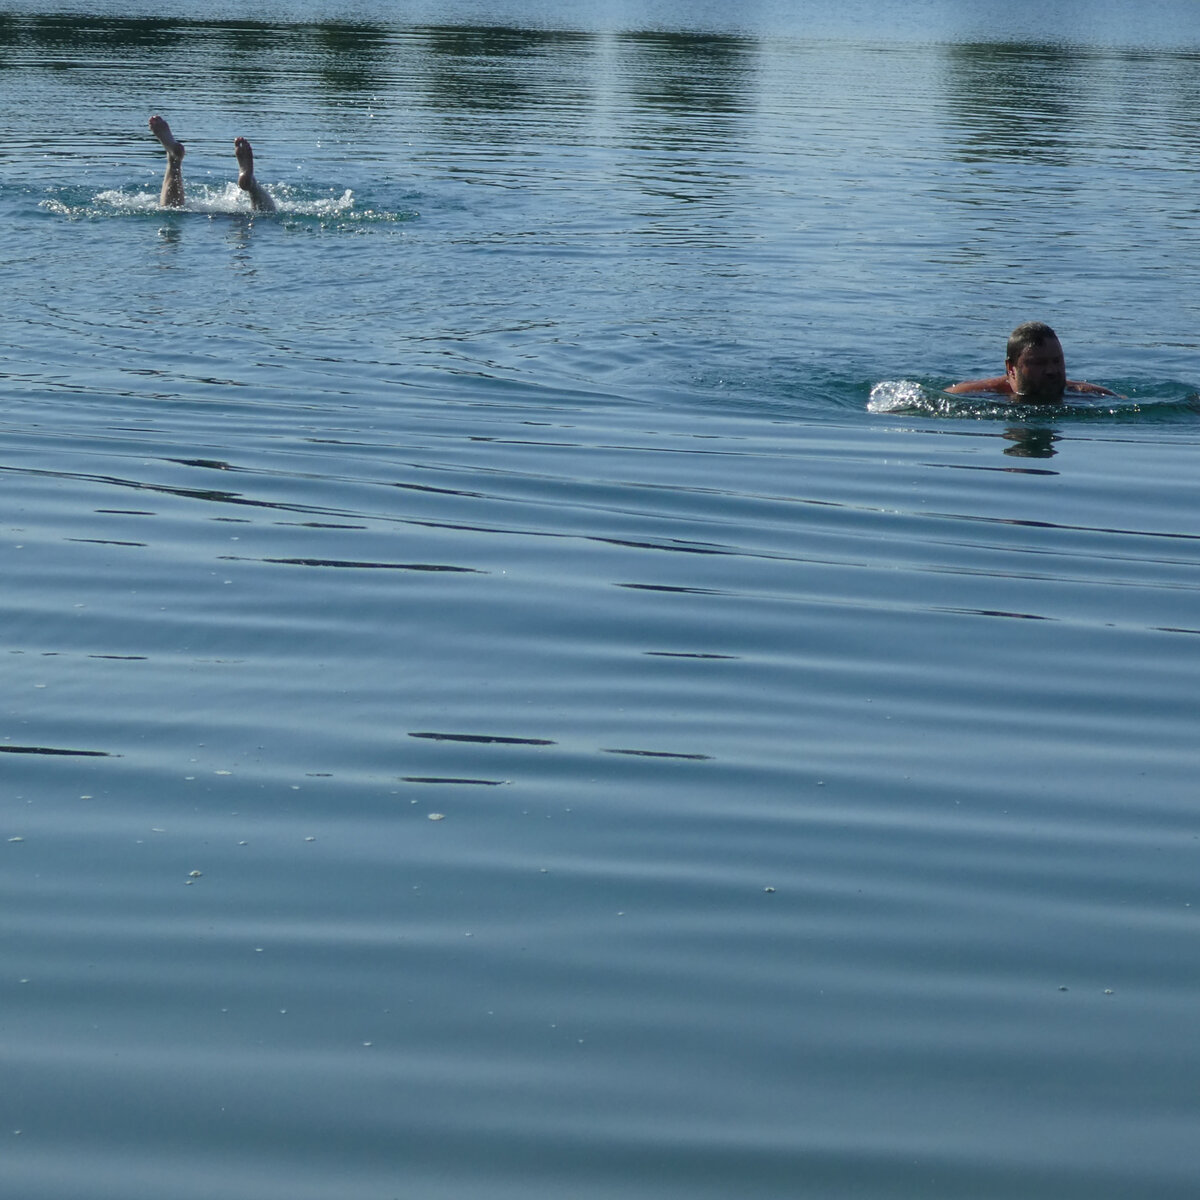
<point x="1017" y="101"/>
<point x="437" y="779"/>
<point x="52" y="750"/>
<point x="372" y="566"/>
<point x="483" y="739"/>
<point x="693" y="75"/>
<point x="352" y="58"/>
<point x="658" y="754"/>
<point x="1031" y="442"/>
<point x="470" y="68"/>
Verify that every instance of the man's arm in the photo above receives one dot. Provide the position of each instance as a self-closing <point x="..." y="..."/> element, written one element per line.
<point x="1089" y="389"/>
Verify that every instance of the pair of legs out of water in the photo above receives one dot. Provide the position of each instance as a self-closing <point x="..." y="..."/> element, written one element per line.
<point x="172" y="188"/>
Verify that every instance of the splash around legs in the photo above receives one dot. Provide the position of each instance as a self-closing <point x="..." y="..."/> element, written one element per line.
<point x="172" y="186"/>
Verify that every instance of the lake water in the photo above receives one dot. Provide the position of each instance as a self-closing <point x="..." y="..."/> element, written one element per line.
<point x="517" y="680"/>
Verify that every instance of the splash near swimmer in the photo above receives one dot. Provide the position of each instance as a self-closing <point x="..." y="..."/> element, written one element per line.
<point x="172" y="186"/>
<point x="1035" y="374"/>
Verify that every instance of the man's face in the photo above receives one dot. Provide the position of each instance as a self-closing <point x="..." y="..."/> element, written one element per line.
<point x="1039" y="376"/>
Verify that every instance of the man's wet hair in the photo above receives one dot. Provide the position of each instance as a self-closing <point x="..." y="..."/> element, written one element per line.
<point x="1031" y="333"/>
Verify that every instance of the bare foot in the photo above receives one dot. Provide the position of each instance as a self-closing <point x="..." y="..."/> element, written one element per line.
<point x="162" y="131"/>
<point x="259" y="198"/>
<point x="244" y="154"/>
<point x="172" y="188"/>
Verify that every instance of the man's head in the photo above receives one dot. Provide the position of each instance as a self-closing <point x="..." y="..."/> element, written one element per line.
<point x="1034" y="364"/>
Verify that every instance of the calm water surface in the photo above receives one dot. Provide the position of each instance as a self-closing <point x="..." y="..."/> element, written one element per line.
<point x="517" y="680"/>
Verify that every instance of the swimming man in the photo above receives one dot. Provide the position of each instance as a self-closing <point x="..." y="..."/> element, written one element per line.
<point x="1035" y="371"/>
<point x="172" y="188"/>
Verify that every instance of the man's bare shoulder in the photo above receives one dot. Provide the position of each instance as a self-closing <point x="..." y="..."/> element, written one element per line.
<point x="997" y="385"/>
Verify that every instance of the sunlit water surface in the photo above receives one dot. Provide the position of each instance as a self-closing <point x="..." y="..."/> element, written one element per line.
<point x="518" y="680"/>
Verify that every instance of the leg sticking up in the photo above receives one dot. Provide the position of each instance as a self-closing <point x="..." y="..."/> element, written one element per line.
<point x="259" y="199"/>
<point x="172" y="187"/>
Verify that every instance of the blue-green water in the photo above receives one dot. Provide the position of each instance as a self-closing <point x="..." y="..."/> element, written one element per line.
<point x="518" y="682"/>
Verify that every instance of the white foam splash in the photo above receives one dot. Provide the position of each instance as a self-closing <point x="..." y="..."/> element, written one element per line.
<point x="898" y="395"/>
<point x="909" y="396"/>
<point x="204" y="198"/>
<point x="327" y="206"/>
